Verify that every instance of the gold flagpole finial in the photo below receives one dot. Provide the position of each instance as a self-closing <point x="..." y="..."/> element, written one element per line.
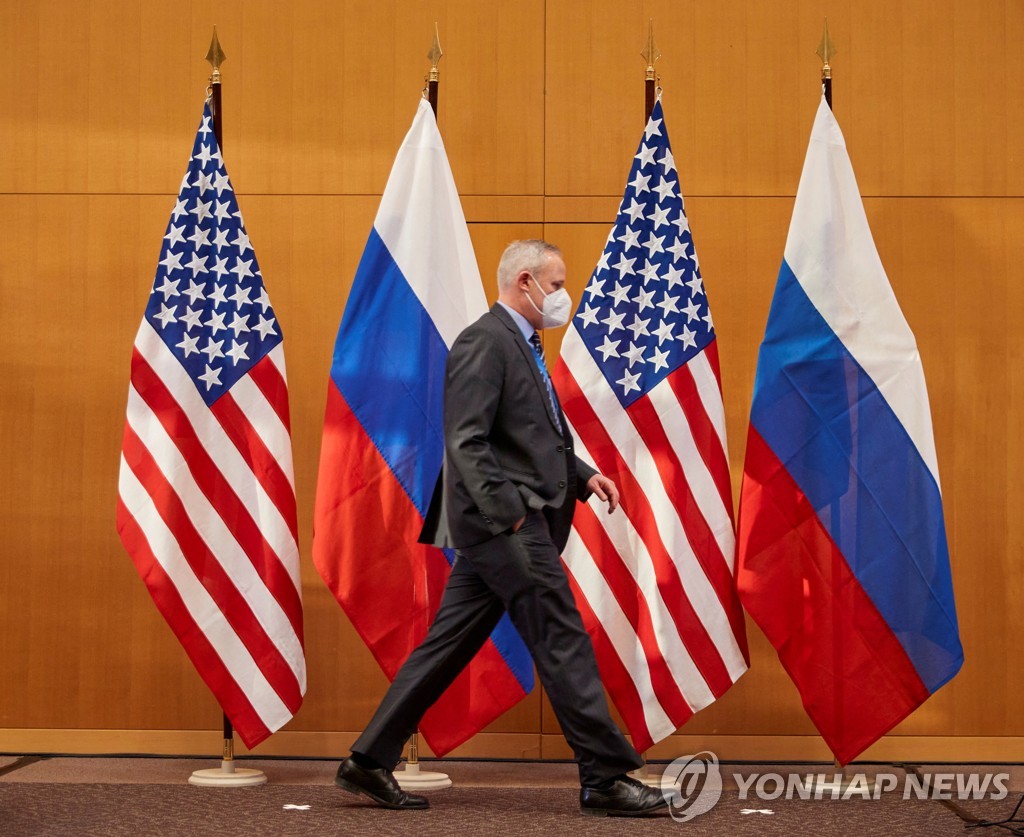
<point x="435" y="54"/>
<point x="216" y="57"/>
<point x="650" y="52"/>
<point x="826" y="50"/>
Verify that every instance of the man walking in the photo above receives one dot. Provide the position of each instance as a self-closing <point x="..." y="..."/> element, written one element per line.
<point x="505" y="501"/>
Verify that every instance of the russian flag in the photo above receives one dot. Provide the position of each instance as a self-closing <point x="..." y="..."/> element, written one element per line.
<point x="843" y="559"/>
<point x="416" y="287"/>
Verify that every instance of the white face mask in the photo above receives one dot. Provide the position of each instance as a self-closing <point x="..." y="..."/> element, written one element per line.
<point x="557" y="307"/>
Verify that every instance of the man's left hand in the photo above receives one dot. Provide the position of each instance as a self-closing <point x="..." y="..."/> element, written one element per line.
<point x="605" y="490"/>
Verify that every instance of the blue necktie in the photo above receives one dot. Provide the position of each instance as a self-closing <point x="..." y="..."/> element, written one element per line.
<point x="538" y="352"/>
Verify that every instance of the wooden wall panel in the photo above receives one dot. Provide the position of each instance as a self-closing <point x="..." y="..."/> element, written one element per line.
<point x="97" y="96"/>
<point x="105" y="96"/>
<point x="921" y="115"/>
<point x="79" y="638"/>
<point x="541" y="110"/>
<point x="323" y="105"/>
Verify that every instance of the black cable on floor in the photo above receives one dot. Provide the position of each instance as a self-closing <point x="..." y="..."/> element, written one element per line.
<point x="1011" y="823"/>
<point x="1014" y="826"/>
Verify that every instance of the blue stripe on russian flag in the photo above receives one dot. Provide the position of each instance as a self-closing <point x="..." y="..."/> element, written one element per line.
<point x="825" y="420"/>
<point x="389" y="363"/>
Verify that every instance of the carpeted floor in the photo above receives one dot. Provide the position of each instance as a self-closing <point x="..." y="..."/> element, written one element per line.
<point x="78" y="796"/>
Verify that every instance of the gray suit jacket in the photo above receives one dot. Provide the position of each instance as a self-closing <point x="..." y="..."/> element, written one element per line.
<point x="504" y="454"/>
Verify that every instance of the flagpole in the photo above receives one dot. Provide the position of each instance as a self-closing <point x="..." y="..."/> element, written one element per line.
<point x="650" y="54"/>
<point x="411" y="777"/>
<point x="433" y="79"/>
<point x="215" y="55"/>
<point x="826" y="49"/>
<point x="227" y="775"/>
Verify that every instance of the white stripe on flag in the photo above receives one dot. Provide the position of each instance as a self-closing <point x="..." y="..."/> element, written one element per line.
<point x="215" y="534"/>
<point x="698" y="477"/>
<point x="436" y="258"/>
<point x="200" y="605"/>
<point x="710" y="398"/>
<point x="276" y="356"/>
<point x="840" y="264"/>
<point x="221" y="450"/>
<point x="265" y="423"/>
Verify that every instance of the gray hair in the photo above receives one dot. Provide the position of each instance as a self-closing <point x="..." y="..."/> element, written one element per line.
<point x="530" y="255"/>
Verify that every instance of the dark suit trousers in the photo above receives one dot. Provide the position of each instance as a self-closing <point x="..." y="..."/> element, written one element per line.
<point x="523" y="574"/>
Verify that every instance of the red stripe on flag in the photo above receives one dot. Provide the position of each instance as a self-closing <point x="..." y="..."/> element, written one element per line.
<point x="211" y="668"/>
<point x="211" y="573"/>
<point x="705" y="436"/>
<point x="854" y="677"/>
<point x="217" y="489"/>
<point x="711" y="353"/>
<point x="392" y="591"/>
<point x="636" y="609"/>
<point x="258" y="457"/>
<point x="702" y="540"/>
<point x="272" y="384"/>
<point x="637" y="508"/>
<point x="614" y="675"/>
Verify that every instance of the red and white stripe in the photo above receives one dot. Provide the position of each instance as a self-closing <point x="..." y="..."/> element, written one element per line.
<point x="655" y="580"/>
<point x="207" y="511"/>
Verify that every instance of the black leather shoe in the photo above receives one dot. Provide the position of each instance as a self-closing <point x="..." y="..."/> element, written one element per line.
<point x="625" y="798"/>
<point x="379" y="785"/>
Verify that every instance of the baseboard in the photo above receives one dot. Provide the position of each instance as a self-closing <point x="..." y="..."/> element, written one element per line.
<point x="200" y="742"/>
<point x="811" y="748"/>
<point x="529" y="746"/>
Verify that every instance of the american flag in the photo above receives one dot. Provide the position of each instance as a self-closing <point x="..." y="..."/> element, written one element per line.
<point x="206" y="504"/>
<point x="639" y="381"/>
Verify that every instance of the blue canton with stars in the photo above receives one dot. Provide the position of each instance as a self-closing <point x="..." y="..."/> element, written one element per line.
<point x="644" y="312"/>
<point x="208" y="301"/>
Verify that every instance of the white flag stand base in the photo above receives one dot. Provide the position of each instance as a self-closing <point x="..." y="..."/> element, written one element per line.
<point x="642" y="774"/>
<point x="414" y="779"/>
<point x="227" y="776"/>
